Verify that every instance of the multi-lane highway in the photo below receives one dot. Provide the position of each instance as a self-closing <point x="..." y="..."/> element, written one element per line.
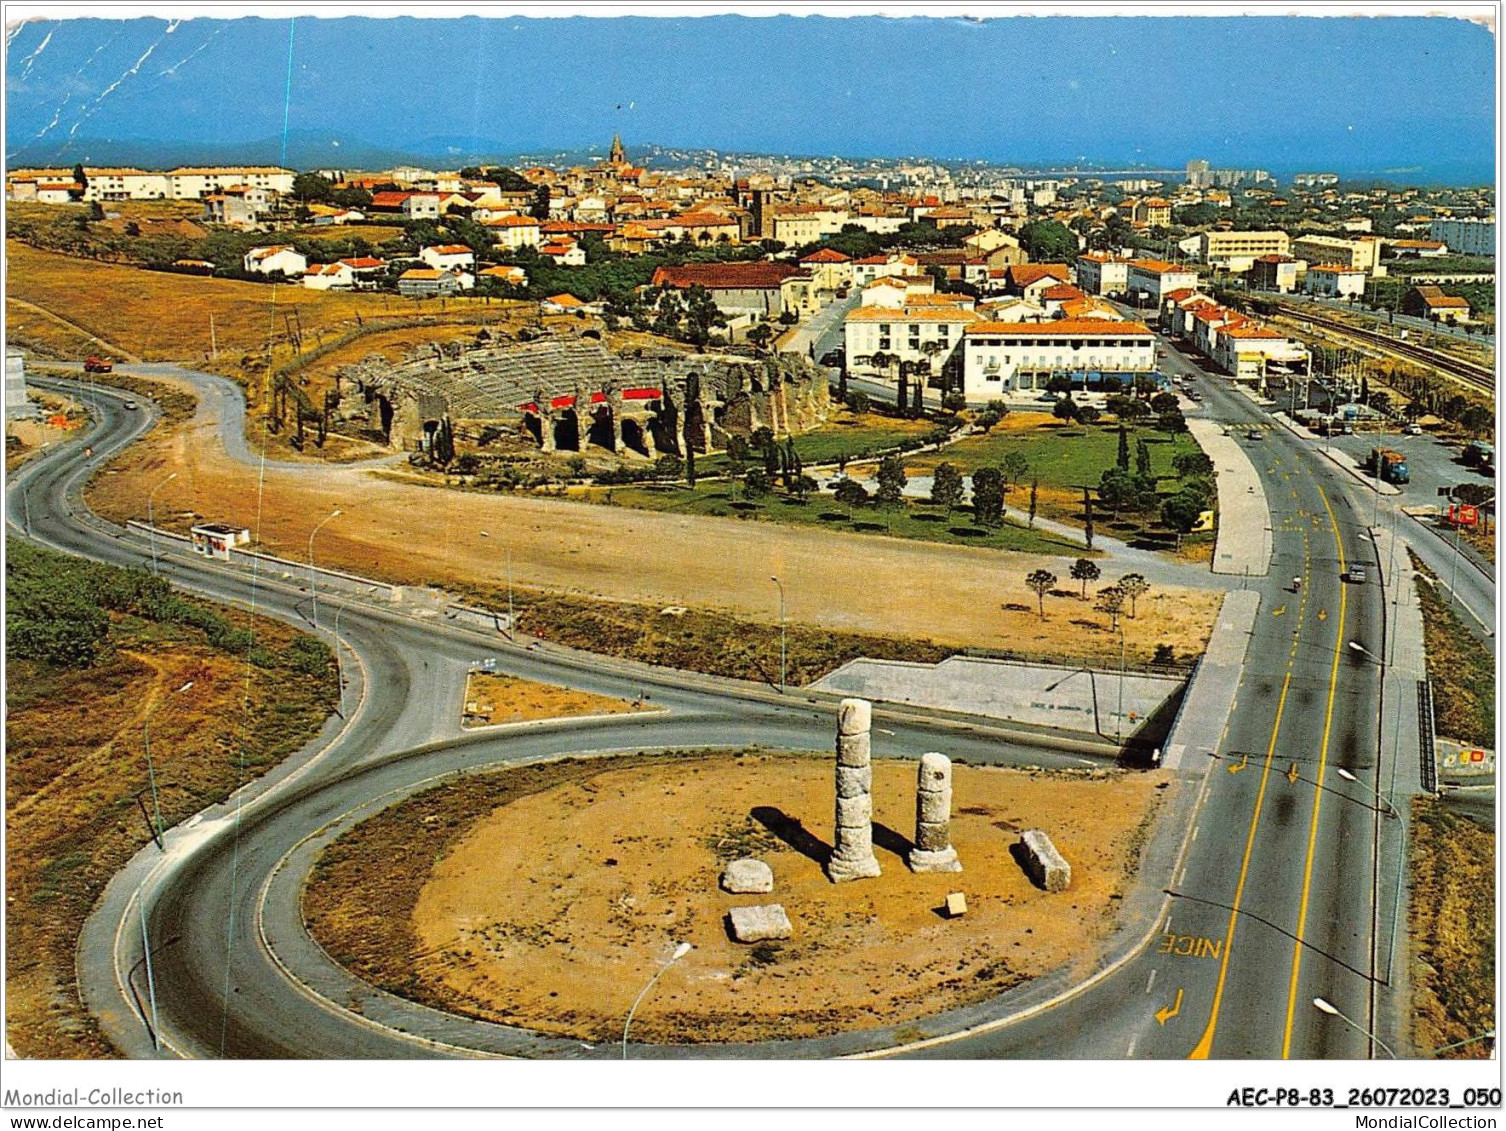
<point x="1282" y="887"/>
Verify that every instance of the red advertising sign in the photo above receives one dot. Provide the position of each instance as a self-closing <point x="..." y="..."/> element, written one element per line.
<point x="1462" y="515"/>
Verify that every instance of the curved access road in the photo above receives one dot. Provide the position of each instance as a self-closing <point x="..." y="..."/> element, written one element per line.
<point x="1280" y="886"/>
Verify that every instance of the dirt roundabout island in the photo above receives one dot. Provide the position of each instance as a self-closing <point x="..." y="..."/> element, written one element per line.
<point x="546" y="896"/>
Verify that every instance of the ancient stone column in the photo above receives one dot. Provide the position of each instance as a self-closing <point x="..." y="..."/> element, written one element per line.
<point x="613" y="393"/>
<point x="546" y="420"/>
<point x="852" y="858"/>
<point x="933" y="851"/>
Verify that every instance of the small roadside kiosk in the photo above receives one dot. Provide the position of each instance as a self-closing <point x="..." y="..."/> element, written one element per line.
<point x="216" y="540"/>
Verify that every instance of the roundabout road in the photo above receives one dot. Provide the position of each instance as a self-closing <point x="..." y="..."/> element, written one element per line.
<point x="1279" y="878"/>
<point x="219" y="989"/>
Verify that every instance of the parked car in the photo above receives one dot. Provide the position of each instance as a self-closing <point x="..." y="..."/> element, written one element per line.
<point x="98" y="365"/>
<point x="1412" y="430"/>
<point x="1357" y="574"/>
<point x="1254" y="434"/>
<point x="132" y="405"/>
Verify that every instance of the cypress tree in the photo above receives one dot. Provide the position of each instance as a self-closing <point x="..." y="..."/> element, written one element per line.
<point x="1123" y="459"/>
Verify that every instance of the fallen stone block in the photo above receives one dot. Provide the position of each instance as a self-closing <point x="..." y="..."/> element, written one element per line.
<point x="956" y="905"/>
<point x="755" y="924"/>
<point x="1043" y="863"/>
<point x="745" y="876"/>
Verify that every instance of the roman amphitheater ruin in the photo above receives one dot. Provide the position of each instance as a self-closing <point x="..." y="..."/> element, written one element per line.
<point x="573" y="393"/>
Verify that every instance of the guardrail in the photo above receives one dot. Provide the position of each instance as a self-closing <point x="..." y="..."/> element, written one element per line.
<point x="1427" y="751"/>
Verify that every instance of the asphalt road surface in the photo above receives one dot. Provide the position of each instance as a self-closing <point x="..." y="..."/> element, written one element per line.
<point x="1282" y="895"/>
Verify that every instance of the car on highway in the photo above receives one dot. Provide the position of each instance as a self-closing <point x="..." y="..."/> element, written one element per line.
<point x="1356" y="575"/>
<point x="132" y="405"/>
<point x="98" y="365"/>
<point x="1412" y="430"/>
<point x="1254" y="434"/>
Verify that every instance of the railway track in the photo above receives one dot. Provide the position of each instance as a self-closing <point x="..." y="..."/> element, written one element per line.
<point x="1478" y="377"/>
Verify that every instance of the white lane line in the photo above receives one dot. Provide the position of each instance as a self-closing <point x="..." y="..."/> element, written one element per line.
<point x="1151" y="981"/>
<point x="1196" y="829"/>
<point x="1133" y="1041"/>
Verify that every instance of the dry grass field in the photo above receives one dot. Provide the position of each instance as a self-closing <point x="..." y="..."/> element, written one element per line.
<point x="1453" y="919"/>
<point x="160" y="316"/>
<point x="608" y="863"/>
<point x="492" y="698"/>
<point x="404" y="532"/>
<point x="75" y="765"/>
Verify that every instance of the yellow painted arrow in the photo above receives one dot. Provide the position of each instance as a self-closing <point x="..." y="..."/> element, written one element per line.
<point x="1164" y="1014"/>
<point x="1278" y="610"/>
<point x="1291" y="773"/>
<point x="1242" y="764"/>
<point x="1322" y="614"/>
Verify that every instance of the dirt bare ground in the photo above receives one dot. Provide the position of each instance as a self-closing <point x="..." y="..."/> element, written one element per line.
<point x="958" y="596"/>
<point x="492" y="698"/>
<point x="529" y="914"/>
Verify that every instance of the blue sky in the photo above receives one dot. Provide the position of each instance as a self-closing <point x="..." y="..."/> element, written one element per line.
<point x="1346" y="93"/>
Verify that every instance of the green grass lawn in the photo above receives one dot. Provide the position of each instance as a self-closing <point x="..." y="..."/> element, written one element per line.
<point x="909" y="520"/>
<point x="1065" y="457"/>
<point x="856" y="436"/>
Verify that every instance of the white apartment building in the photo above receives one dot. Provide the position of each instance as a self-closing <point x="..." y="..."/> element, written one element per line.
<point x="126" y="184"/>
<point x="444" y="257"/>
<point x="1099" y="273"/>
<point x="871" y="267"/>
<point x="1155" y="278"/>
<point x="106" y="184"/>
<point x="265" y="260"/>
<point x="927" y="335"/>
<point x="1357" y="254"/>
<point x="513" y="232"/>
<point x="1333" y="281"/>
<point x="1466" y="236"/>
<point x="191" y="183"/>
<point x="1003" y="357"/>
<point x="1235" y="251"/>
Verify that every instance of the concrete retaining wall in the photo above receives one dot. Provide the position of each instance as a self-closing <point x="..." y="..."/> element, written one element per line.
<point x="1035" y="694"/>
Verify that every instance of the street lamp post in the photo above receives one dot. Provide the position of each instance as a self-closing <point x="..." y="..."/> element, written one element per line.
<point x="1119" y="716"/>
<point x="151" y="522"/>
<point x="1490" y="1036"/>
<point x="151" y="982"/>
<point x="783" y="650"/>
<point x="340" y="608"/>
<point x="151" y="770"/>
<point x="679" y="952"/>
<point x="313" y="584"/>
<point x="1332" y="1010"/>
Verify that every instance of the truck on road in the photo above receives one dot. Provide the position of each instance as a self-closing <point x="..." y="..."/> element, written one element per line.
<point x="98" y="365"/>
<point x="1389" y="466"/>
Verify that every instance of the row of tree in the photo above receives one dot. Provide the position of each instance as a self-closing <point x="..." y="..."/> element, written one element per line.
<point x="1110" y="599"/>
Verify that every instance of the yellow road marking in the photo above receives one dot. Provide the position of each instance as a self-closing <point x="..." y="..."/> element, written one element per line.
<point x="1203" y="1049"/>
<point x="1291" y="773"/>
<point x="1205" y="1045"/>
<point x="1312" y="833"/>
<point x="1190" y="946"/>
<point x="1242" y="764"/>
<point x="1165" y="1014"/>
<point x="1322" y="614"/>
<point x="1278" y="610"/>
